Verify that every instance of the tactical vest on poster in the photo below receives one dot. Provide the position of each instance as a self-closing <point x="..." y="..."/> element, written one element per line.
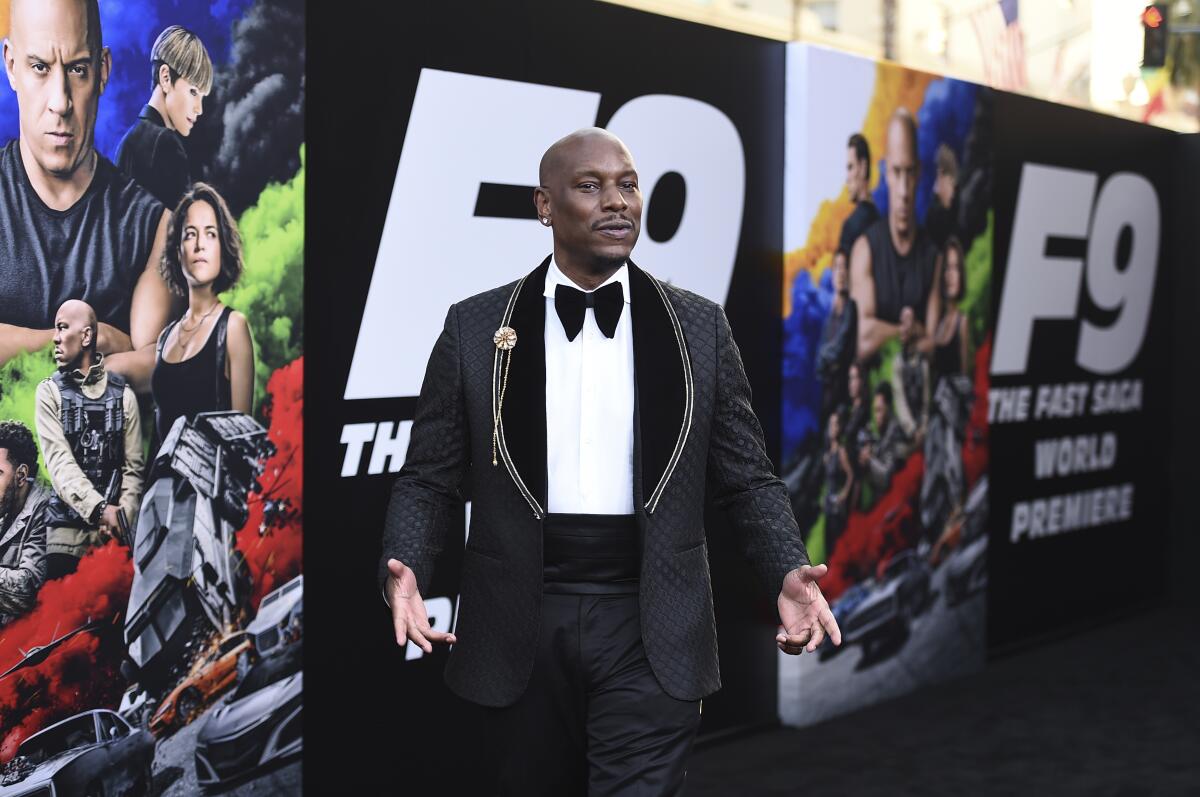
<point x="95" y="431"/>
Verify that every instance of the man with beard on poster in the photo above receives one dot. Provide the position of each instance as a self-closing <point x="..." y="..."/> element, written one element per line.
<point x="894" y="264"/>
<point x="23" y="504"/>
<point x="74" y="226"/>
<point x="590" y="410"/>
<point x="88" y="424"/>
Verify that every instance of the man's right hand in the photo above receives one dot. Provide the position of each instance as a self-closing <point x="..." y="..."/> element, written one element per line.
<point x="110" y="523"/>
<point x="408" y="610"/>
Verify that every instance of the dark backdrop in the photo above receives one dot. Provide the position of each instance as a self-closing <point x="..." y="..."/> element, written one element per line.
<point x="371" y="715"/>
<point x="1043" y="586"/>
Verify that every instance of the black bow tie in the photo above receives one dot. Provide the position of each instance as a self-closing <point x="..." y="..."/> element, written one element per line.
<point x="571" y="305"/>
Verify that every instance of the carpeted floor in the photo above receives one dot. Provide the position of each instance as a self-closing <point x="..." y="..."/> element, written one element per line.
<point x="1113" y="711"/>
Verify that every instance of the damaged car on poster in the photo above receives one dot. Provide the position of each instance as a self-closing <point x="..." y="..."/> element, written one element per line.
<point x="89" y="754"/>
<point x="259" y="725"/>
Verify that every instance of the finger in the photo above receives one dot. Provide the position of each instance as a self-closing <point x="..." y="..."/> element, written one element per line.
<point x="792" y="650"/>
<point x="818" y="636"/>
<point x="829" y="623"/>
<point x="439" y="636"/>
<point x="400" y="625"/>
<point x="396" y="568"/>
<point x="414" y="633"/>
<point x="816" y="572"/>
<point x="795" y="640"/>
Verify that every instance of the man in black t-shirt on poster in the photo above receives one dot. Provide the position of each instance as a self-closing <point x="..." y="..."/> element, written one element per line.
<point x="73" y="226"/>
<point x="858" y="186"/>
<point x="894" y="264"/>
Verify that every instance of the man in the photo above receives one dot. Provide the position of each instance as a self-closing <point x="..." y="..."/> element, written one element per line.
<point x="839" y="340"/>
<point x="23" y="504"/>
<point x="74" y="226"/>
<point x="858" y="186"/>
<point x="584" y="406"/>
<point x="884" y="452"/>
<point x="152" y="151"/>
<point x="88" y="424"/>
<point x="894" y="265"/>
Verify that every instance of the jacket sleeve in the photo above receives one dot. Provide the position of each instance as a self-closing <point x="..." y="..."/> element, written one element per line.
<point x="19" y="584"/>
<point x="426" y="495"/>
<point x="741" y="481"/>
<point x="131" y="471"/>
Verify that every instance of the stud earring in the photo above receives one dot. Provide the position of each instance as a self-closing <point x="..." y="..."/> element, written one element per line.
<point x="546" y="221"/>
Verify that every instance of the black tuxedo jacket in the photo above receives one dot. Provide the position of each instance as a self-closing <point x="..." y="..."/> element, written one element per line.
<point x="695" y="437"/>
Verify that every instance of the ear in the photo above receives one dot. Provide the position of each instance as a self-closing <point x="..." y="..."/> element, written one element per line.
<point x="105" y="67"/>
<point x="22" y="472"/>
<point x="541" y="201"/>
<point x="164" y="78"/>
<point x="86" y="337"/>
<point x="9" y="63"/>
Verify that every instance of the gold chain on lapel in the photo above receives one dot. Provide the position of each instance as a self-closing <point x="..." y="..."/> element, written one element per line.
<point x="505" y="339"/>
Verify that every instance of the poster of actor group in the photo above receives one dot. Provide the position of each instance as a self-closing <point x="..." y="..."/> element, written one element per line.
<point x="152" y="172"/>
<point x="887" y="321"/>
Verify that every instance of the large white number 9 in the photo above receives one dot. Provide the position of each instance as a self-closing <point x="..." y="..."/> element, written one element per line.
<point x="1125" y="200"/>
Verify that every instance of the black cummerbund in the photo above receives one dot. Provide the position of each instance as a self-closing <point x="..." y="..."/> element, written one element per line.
<point x="591" y="554"/>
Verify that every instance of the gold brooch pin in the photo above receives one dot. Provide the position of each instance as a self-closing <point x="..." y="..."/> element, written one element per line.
<point x="505" y="339"/>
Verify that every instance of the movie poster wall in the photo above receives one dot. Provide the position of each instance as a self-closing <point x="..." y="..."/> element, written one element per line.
<point x="887" y="339"/>
<point x="151" y="396"/>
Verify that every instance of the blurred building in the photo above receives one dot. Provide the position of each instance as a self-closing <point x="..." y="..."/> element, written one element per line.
<point x="1079" y="52"/>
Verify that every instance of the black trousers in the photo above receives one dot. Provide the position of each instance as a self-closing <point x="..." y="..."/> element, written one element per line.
<point x="593" y="720"/>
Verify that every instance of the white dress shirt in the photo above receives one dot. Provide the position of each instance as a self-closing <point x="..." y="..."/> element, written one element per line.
<point x="589" y="409"/>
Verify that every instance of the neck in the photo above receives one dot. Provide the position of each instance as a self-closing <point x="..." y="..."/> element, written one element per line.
<point x="85" y="362"/>
<point x="863" y="195"/>
<point x="902" y="241"/>
<point x="59" y="192"/>
<point x="158" y="101"/>
<point x="587" y="276"/>
<point x="201" y="300"/>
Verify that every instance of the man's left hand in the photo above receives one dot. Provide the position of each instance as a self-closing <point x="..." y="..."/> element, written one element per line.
<point x="804" y="612"/>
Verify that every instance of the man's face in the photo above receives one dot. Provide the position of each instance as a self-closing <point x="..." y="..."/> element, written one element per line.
<point x="12" y="479"/>
<point x="57" y="80"/>
<point x="901" y="179"/>
<point x="72" y="334"/>
<point x="856" y="173"/>
<point x="854" y="383"/>
<point x="595" y="202"/>
<point x="184" y="104"/>
<point x="880" y="411"/>
<point x="952" y="273"/>
<point x="839" y="273"/>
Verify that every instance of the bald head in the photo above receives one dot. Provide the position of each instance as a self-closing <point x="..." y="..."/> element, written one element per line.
<point x="75" y="329"/>
<point x="563" y="153"/>
<point x="25" y="15"/>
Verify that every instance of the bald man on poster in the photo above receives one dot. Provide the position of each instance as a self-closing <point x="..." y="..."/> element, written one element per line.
<point x="73" y="226"/>
<point x="894" y="264"/>
<point x="591" y="410"/>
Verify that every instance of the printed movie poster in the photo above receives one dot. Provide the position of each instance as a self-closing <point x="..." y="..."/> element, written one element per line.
<point x="887" y="322"/>
<point x="151" y="385"/>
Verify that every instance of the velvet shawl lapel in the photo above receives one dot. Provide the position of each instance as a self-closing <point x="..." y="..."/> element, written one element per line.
<point x="662" y="377"/>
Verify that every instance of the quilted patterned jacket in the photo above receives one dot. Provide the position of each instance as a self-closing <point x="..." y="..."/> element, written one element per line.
<point x="695" y="438"/>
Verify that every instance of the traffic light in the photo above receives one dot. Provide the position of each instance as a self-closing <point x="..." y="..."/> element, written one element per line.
<point x="1154" y="35"/>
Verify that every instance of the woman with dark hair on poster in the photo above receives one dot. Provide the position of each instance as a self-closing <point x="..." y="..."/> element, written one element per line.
<point x="205" y="360"/>
<point x="950" y="339"/>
